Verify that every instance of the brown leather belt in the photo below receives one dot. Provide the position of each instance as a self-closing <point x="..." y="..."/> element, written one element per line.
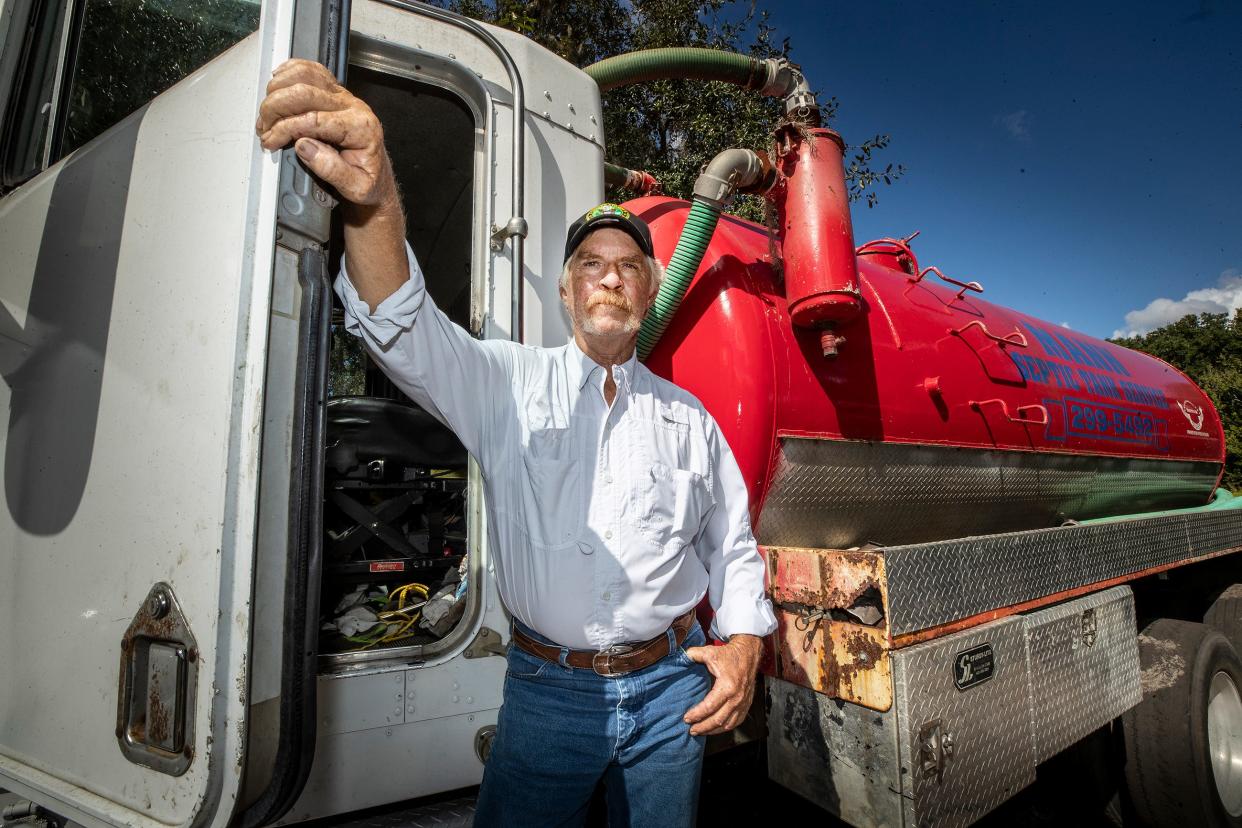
<point x="618" y="659"/>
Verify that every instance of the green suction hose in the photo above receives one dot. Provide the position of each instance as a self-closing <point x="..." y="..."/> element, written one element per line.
<point x="1221" y="500"/>
<point x="687" y="256"/>
<point x="681" y="62"/>
<point x="615" y="175"/>
<point x="729" y="172"/>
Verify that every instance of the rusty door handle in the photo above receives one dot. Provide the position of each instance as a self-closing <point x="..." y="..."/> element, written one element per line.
<point x="1040" y="410"/>
<point x="1017" y="338"/>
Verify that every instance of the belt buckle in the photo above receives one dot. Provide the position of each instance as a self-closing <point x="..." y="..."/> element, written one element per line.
<point x="614" y="650"/>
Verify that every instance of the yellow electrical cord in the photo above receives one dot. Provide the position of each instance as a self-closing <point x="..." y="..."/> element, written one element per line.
<point x="401" y="617"/>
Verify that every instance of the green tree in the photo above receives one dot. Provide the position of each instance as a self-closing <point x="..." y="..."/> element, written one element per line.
<point x="1208" y="349"/>
<point x="114" y="77"/>
<point x="672" y="128"/>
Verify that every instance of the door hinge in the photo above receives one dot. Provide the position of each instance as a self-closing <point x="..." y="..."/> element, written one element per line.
<point x="486" y="643"/>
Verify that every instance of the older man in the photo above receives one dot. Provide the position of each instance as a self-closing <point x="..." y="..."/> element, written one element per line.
<point x="614" y="503"/>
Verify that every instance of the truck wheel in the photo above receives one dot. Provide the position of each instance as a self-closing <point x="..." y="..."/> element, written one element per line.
<point x="1183" y="741"/>
<point x="1225" y="615"/>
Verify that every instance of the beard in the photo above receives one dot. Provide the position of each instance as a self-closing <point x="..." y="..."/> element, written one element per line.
<point x="590" y="325"/>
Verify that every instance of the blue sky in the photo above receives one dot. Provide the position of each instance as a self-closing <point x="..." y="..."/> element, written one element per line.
<point x="1082" y="160"/>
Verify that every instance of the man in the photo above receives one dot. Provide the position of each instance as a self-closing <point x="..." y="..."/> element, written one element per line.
<point x="614" y="503"/>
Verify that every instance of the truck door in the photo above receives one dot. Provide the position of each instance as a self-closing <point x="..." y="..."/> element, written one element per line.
<point x="138" y="224"/>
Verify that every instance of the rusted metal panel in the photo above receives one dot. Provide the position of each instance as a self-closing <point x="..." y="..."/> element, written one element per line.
<point x="827" y="578"/>
<point x="841" y="659"/>
<point x="817" y="643"/>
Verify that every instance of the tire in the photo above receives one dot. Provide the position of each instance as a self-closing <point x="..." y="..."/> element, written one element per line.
<point x="1225" y="615"/>
<point x="1180" y="738"/>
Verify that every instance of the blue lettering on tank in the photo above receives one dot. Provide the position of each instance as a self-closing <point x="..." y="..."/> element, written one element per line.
<point x="1102" y="384"/>
<point x="1034" y="369"/>
<point x="1086" y="418"/>
<point x="1065" y="376"/>
<point x="1078" y="353"/>
<point x="1144" y="395"/>
<point x="1111" y="363"/>
<point x="1076" y="376"/>
<point x="1049" y="342"/>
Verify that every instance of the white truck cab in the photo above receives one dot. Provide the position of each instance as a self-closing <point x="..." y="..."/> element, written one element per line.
<point x="202" y="478"/>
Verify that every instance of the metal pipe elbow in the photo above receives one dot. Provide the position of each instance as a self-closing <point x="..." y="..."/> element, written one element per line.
<point x="732" y="171"/>
<point x="786" y="81"/>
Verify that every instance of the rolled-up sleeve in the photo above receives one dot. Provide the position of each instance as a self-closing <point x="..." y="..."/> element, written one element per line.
<point x="458" y="379"/>
<point x="727" y="547"/>
<point x="393" y="316"/>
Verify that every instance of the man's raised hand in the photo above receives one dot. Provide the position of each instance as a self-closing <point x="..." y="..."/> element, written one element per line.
<point x="340" y="140"/>
<point x="335" y="134"/>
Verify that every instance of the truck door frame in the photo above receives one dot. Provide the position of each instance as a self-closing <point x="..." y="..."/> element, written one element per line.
<point x="41" y="50"/>
<point x="320" y="32"/>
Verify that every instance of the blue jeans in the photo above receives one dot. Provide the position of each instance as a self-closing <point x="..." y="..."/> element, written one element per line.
<point x="563" y="729"/>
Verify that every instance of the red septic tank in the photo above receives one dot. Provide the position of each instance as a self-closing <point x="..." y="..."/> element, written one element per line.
<point x="942" y="415"/>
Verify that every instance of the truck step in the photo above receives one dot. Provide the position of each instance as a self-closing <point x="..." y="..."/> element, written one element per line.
<point x="456" y="813"/>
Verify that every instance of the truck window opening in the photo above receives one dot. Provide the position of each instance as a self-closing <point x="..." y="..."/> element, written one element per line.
<point x="395" y="505"/>
<point x="151" y="46"/>
<point x="86" y="70"/>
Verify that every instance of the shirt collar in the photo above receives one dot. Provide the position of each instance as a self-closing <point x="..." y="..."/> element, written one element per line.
<point x="581" y="366"/>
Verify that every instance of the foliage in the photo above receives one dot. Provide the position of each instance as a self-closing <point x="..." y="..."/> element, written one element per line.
<point x="1208" y="349"/>
<point x="672" y="128"/>
<point x="132" y="50"/>
<point x="347" y="364"/>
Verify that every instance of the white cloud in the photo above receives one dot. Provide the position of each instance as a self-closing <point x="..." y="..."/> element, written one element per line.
<point x="1066" y="325"/>
<point x="1017" y="124"/>
<point x="1225" y="297"/>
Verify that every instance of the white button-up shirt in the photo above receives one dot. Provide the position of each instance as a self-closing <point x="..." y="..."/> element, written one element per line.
<point x="605" y="523"/>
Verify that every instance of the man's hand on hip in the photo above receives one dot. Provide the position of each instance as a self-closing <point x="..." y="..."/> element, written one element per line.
<point x="734" y="666"/>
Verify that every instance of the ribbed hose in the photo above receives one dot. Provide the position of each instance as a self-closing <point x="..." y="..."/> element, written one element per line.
<point x="766" y="76"/>
<point x="615" y="175"/>
<point x="687" y="256"/>
<point x="680" y="62"/>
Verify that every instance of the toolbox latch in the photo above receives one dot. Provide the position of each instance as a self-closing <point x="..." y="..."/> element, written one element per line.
<point x="935" y="749"/>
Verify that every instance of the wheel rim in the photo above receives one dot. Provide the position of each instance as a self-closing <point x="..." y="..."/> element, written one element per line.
<point x="1225" y="741"/>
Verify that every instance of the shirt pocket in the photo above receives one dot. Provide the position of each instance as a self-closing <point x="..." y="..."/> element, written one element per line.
<point x="556" y="487"/>
<point x="676" y="500"/>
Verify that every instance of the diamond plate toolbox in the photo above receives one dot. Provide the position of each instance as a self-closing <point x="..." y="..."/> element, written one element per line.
<point x="938" y="583"/>
<point x="1084" y="667"/>
<point x="979" y="709"/>
<point x="964" y="724"/>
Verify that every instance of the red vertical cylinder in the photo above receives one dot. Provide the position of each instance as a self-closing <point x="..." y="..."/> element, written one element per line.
<point x="812" y="202"/>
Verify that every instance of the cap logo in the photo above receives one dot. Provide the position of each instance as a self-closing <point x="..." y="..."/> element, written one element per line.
<point x="606" y="210"/>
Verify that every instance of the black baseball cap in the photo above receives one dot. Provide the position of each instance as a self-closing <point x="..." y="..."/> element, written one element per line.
<point x="608" y="215"/>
